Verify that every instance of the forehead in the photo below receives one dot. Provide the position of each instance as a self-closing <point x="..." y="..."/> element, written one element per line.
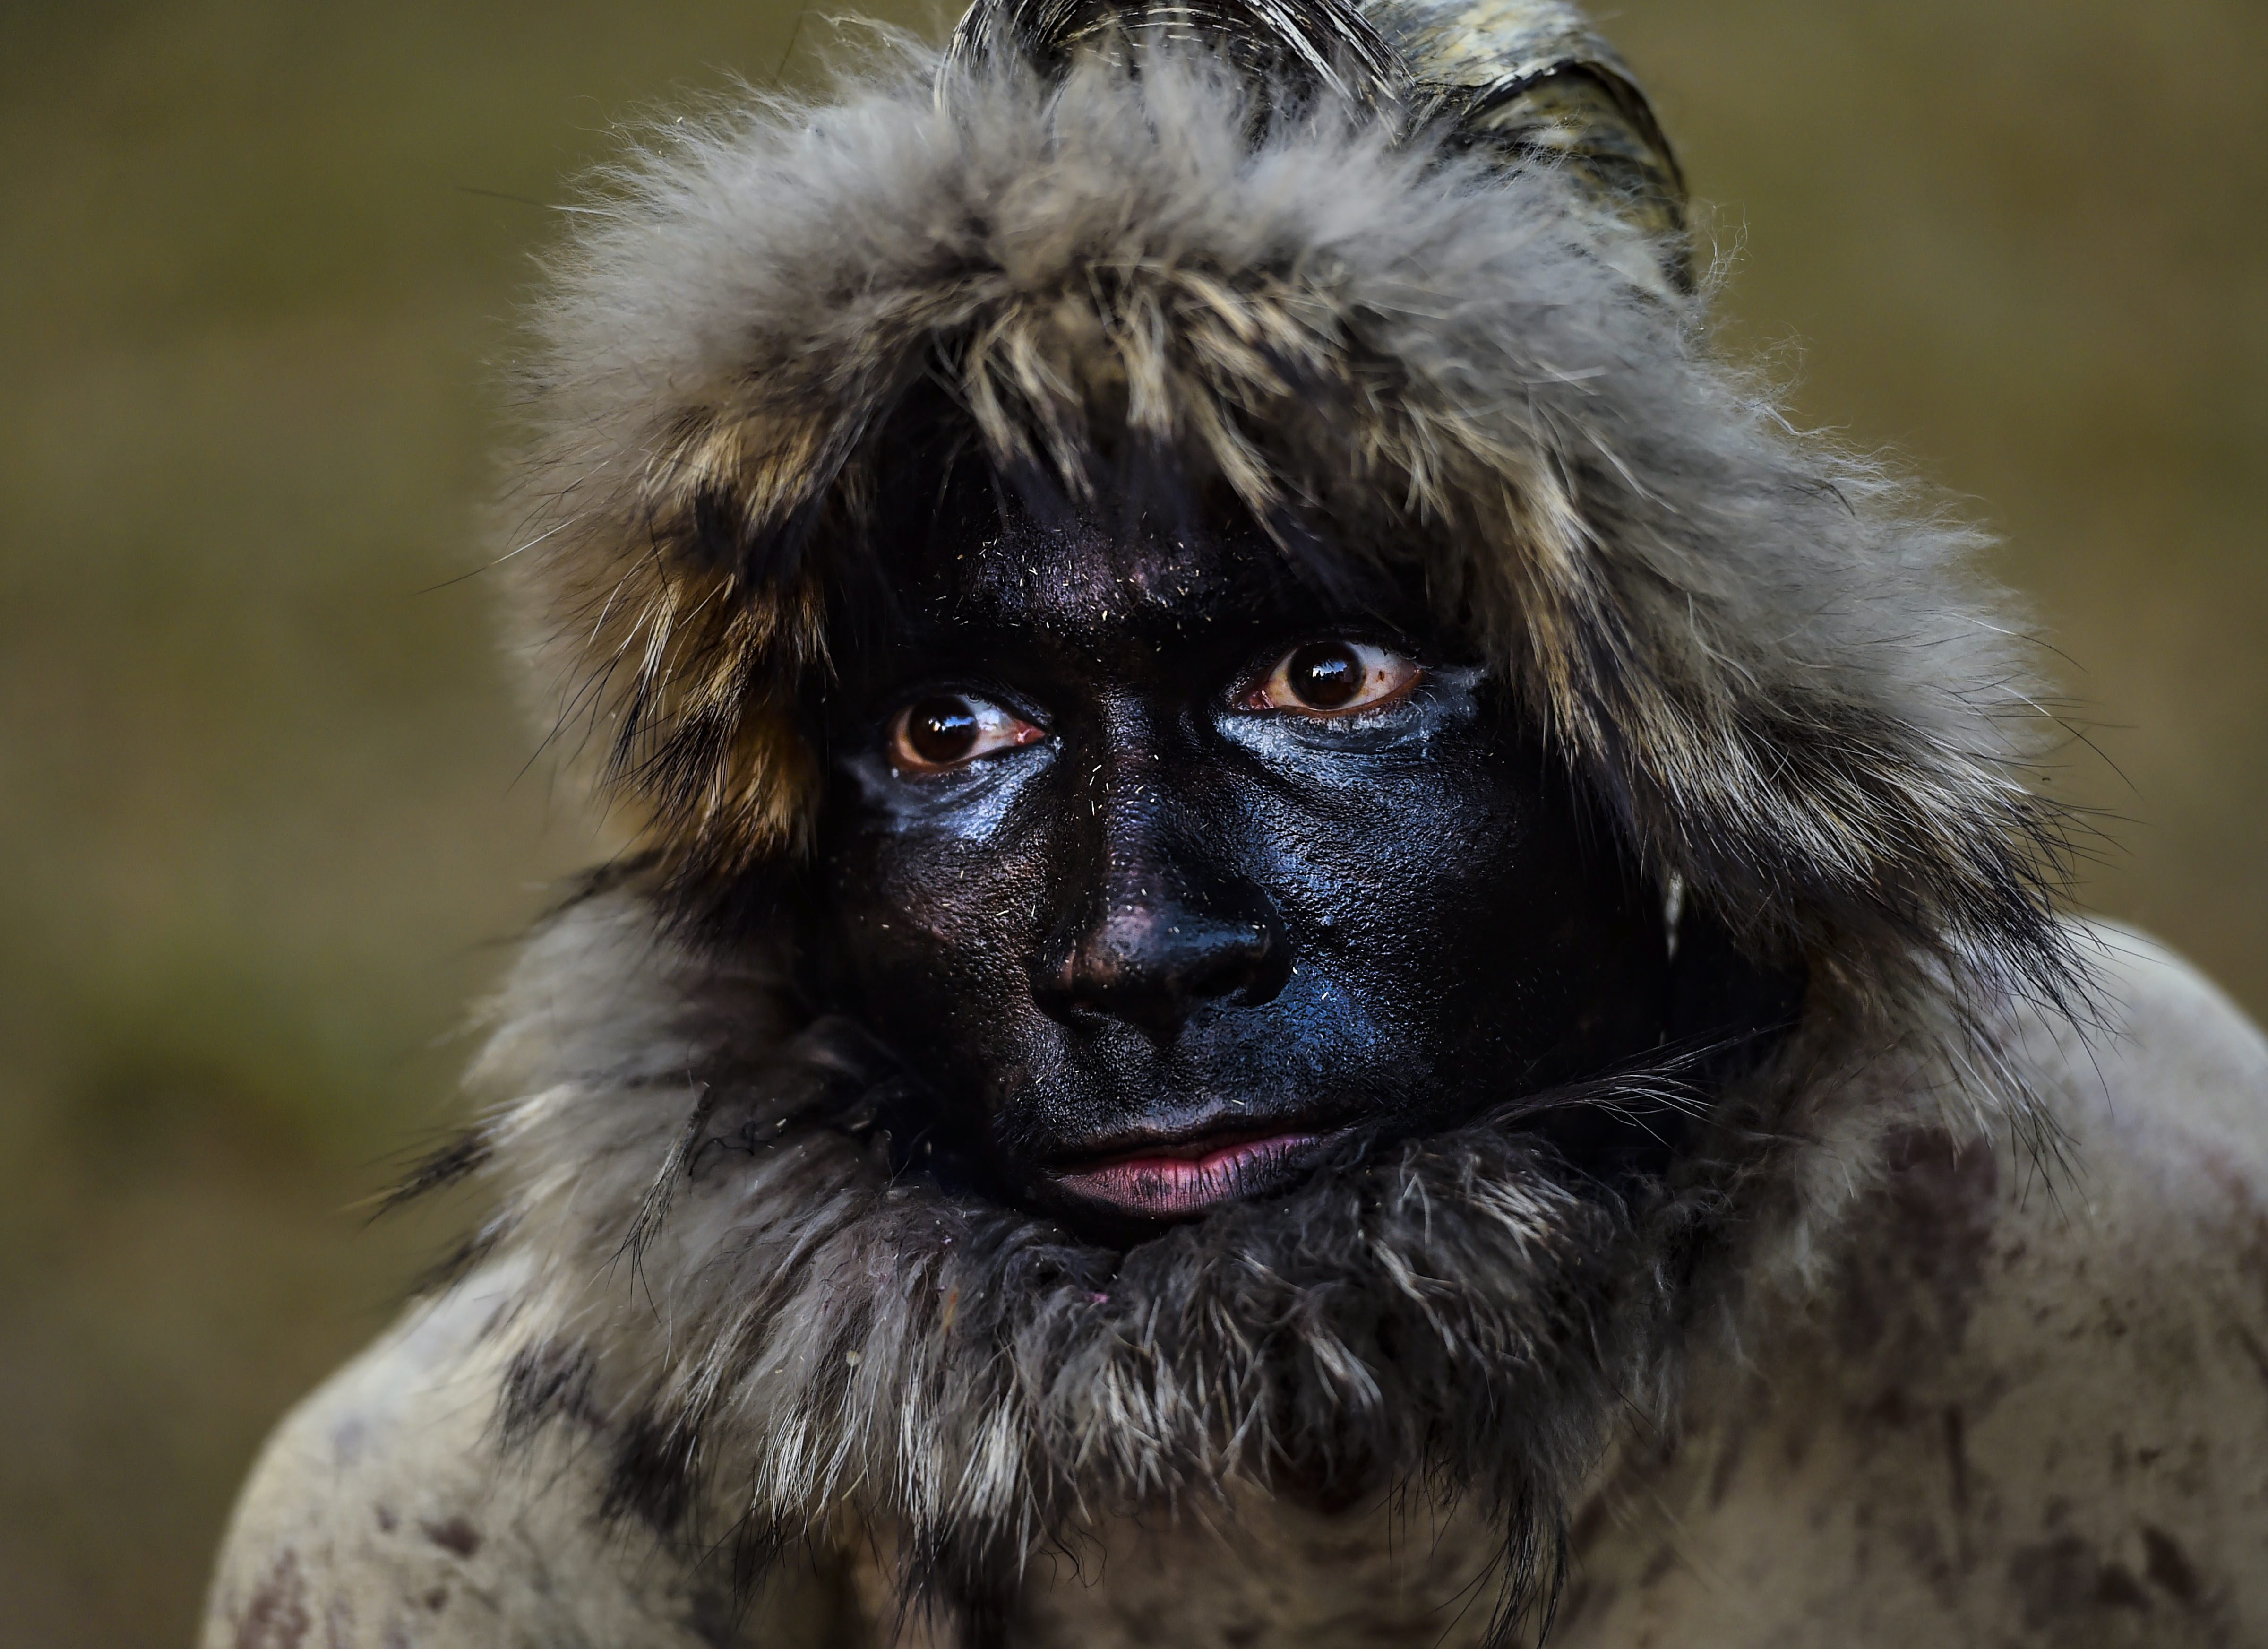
<point x="991" y="561"/>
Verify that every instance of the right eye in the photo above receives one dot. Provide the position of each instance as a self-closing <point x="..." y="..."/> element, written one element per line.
<point x="1325" y="680"/>
<point x="953" y="730"/>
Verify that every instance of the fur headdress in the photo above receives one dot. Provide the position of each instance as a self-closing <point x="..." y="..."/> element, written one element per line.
<point x="1413" y="278"/>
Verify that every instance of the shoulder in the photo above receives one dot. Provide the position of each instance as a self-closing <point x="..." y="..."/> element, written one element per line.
<point x="2110" y="1391"/>
<point x="2150" y="1207"/>
<point x="2030" y="1406"/>
<point x="2173" y="1078"/>
<point x="384" y="1514"/>
<point x="2128" y="1234"/>
<point x="2131" y="1253"/>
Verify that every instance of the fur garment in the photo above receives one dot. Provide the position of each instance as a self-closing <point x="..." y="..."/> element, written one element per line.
<point x="1758" y="655"/>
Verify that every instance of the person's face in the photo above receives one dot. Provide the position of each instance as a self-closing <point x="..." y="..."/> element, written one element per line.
<point x="1161" y="870"/>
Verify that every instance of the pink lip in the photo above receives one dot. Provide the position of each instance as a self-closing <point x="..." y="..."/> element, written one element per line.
<point x="1158" y="1184"/>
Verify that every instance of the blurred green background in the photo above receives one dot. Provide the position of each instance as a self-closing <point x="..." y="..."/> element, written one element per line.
<point x="266" y="804"/>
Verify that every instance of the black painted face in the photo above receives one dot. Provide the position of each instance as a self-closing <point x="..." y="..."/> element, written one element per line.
<point x="1161" y="870"/>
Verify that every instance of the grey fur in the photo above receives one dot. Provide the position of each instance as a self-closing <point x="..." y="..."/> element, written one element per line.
<point x="1754" y="650"/>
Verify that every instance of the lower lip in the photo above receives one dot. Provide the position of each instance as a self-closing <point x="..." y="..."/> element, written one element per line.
<point x="1177" y="1187"/>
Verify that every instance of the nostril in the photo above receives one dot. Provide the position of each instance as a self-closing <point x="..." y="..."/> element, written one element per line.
<point x="1223" y="960"/>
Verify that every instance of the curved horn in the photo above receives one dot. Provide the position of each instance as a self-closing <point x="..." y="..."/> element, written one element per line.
<point x="1527" y="80"/>
<point x="1531" y="78"/>
<point x="1327" y="44"/>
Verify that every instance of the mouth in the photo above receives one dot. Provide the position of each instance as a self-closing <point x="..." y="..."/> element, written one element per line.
<point x="1182" y="1179"/>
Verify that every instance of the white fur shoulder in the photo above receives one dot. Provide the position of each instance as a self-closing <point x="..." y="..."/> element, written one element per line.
<point x="2032" y="1408"/>
<point x="383" y="1515"/>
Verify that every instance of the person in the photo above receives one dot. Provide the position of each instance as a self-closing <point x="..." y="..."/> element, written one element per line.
<point x="1320" y="944"/>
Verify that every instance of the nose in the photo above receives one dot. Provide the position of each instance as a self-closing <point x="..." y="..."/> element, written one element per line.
<point x="1154" y="963"/>
<point x="1153" y="930"/>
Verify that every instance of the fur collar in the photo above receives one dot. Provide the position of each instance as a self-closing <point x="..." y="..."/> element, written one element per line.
<point x="773" y="1330"/>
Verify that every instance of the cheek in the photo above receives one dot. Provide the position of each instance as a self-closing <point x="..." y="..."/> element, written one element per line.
<point x="1460" y="905"/>
<point x="1380" y="875"/>
<point x="930" y="934"/>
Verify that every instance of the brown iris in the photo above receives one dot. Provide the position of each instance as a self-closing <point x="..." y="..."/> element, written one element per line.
<point x="941" y="731"/>
<point x="1325" y="675"/>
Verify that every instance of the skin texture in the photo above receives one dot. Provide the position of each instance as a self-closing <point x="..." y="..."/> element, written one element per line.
<point x="1170" y="926"/>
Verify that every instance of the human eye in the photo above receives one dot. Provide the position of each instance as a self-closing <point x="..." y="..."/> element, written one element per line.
<point x="946" y="731"/>
<point x="1326" y="679"/>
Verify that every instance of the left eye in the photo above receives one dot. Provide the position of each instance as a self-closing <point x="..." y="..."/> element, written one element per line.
<point x="953" y="730"/>
<point x="1333" y="678"/>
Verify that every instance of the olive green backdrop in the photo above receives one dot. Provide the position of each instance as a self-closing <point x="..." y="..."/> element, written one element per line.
<point x="267" y="812"/>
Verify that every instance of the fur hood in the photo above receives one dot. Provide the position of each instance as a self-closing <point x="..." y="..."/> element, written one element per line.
<point x="1420" y="298"/>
